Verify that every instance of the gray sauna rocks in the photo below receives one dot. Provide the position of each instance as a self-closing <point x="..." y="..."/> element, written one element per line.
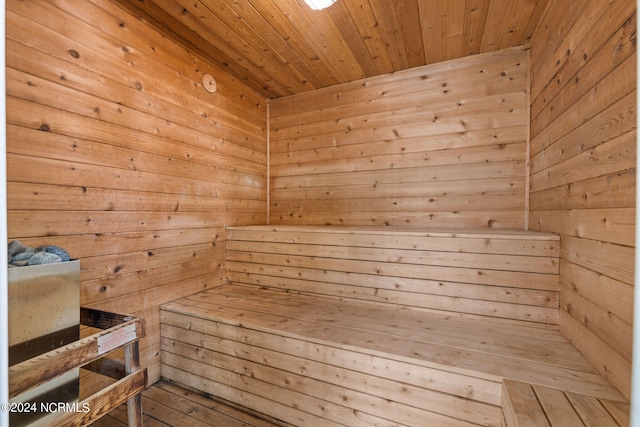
<point x="57" y="250"/>
<point x="16" y="247"/>
<point x="20" y="255"/>
<point x="44" y="258"/>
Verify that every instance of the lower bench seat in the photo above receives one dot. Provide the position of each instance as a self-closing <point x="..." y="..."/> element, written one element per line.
<point x="312" y="360"/>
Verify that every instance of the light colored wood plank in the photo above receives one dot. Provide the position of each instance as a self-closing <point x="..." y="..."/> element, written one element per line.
<point x="458" y="299"/>
<point x="410" y="24"/>
<point x="155" y="296"/>
<point x="348" y="374"/>
<point x="187" y="404"/>
<point x="539" y="264"/>
<point x="514" y="241"/>
<point x="205" y="405"/>
<point x="598" y="288"/>
<point x="392" y="322"/>
<point x="557" y="407"/>
<point x="106" y="109"/>
<point x="167" y="407"/>
<point x="518" y="29"/>
<point x="485" y="363"/>
<point x="244" y="398"/>
<point x="554" y="144"/>
<point x="591" y="411"/>
<point x="400" y="205"/>
<point x="40" y="170"/>
<point x="453" y="22"/>
<point x="40" y="369"/>
<point x="461" y="71"/>
<point x="618" y="81"/>
<point x="93" y="44"/>
<point x="584" y="47"/>
<point x="620" y="412"/>
<point x="446" y="219"/>
<point x="70" y="66"/>
<point x="609" y="259"/>
<point x="430" y="13"/>
<point x="608" y="158"/>
<point x="521" y="407"/>
<point x="458" y="384"/>
<point x="246" y="315"/>
<point x="615" y="226"/>
<point x="317" y="165"/>
<point x="265" y="377"/>
<point x="449" y="273"/>
<point x="602" y="192"/>
<point x="600" y="354"/>
<point x="551" y="32"/>
<point x="389" y="114"/>
<point x="427" y="272"/>
<point x="455" y="305"/>
<point x="600" y="321"/>
<point x="388" y="18"/>
<point x="428" y="190"/>
<point x="575" y="56"/>
<point x="102" y="402"/>
<point x="42" y="196"/>
<point x="342" y="395"/>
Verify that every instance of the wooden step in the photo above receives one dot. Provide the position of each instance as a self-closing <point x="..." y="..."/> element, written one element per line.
<point x="316" y="360"/>
<point x="529" y="405"/>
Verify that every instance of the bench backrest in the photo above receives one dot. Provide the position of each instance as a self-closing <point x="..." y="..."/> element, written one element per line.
<point x="504" y="275"/>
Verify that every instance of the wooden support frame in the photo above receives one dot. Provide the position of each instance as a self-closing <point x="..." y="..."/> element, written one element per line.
<point x="117" y="331"/>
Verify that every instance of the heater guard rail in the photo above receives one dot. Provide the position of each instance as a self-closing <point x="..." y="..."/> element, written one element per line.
<point x="118" y="331"/>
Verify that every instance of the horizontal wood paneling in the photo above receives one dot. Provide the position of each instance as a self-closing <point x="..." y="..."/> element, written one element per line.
<point x="117" y="153"/>
<point x="165" y="404"/>
<point x="313" y="359"/>
<point x="507" y="277"/>
<point x="440" y="145"/>
<point x="583" y="157"/>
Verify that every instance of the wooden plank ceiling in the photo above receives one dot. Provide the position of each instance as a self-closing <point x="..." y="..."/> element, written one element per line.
<point x="282" y="47"/>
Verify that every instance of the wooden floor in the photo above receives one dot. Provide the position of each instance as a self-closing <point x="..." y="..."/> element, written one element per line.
<point x="166" y="404"/>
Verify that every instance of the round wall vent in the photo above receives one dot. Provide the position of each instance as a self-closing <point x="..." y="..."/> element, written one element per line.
<point x="209" y="83"/>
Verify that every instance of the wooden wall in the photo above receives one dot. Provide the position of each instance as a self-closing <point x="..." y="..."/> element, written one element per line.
<point x="583" y="148"/>
<point x="117" y="153"/>
<point x="440" y="145"/>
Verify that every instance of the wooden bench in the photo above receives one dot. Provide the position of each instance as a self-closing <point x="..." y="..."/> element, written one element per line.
<point x="512" y="276"/>
<point x="360" y="326"/>
<point x="527" y="405"/>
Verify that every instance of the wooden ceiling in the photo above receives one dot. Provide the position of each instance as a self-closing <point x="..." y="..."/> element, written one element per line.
<point x="282" y="47"/>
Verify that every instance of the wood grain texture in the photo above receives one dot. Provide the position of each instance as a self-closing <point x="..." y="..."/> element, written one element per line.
<point x="583" y="155"/>
<point x="508" y="276"/>
<point x="280" y="48"/>
<point x="116" y="153"/>
<point x="529" y="405"/>
<point x="166" y="403"/>
<point x="328" y="361"/>
<point x="437" y="146"/>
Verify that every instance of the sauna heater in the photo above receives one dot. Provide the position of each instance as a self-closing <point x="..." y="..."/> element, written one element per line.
<point x="44" y="314"/>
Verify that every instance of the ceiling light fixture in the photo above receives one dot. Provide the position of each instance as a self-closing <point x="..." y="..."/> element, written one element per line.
<point x="319" y="4"/>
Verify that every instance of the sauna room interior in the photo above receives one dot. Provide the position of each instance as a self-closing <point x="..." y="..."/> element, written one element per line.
<point x="380" y="213"/>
